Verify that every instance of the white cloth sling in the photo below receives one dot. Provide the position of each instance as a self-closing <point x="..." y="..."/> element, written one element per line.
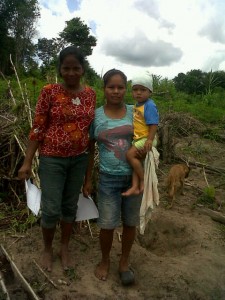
<point x="150" y="197"/>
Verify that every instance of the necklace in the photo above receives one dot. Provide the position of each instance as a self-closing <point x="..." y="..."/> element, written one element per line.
<point x="76" y="101"/>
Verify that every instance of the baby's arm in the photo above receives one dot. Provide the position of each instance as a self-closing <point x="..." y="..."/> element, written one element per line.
<point x="152" y="129"/>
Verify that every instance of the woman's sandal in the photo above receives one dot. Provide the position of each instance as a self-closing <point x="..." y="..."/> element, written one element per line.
<point x="127" y="277"/>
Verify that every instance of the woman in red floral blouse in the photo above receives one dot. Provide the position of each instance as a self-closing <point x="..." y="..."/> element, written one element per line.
<point x="60" y="133"/>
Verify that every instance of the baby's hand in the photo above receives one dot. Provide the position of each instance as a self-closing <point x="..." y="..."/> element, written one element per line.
<point x="148" y="145"/>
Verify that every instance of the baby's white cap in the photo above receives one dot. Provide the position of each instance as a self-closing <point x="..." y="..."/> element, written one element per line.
<point x="144" y="78"/>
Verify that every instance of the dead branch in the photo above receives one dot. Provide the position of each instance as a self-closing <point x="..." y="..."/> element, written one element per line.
<point x="19" y="275"/>
<point x="203" y="169"/>
<point x="188" y="183"/>
<point x="219" y="185"/>
<point x="202" y="165"/>
<point x="29" y="115"/>
<point x="46" y="276"/>
<point x="15" y="241"/>
<point x="3" y="287"/>
<point x="19" y="143"/>
<point x="9" y="88"/>
<point x="17" y="77"/>
<point x="14" y="192"/>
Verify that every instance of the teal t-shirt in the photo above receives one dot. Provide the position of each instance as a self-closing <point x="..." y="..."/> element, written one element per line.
<point x="114" y="138"/>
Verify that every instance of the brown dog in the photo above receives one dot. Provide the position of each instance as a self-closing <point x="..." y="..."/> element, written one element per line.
<point x="175" y="180"/>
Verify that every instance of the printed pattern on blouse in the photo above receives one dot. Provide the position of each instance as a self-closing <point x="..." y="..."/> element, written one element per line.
<point x="62" y="120"/>
<point x="114" y="138"/>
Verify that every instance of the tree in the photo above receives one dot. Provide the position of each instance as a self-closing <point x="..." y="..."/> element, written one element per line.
<point x="18" y="20"/>
<point x="78" y="34"/>
<point x="6" y="42"/>
<point x="90" y="75"/>
<point x="193" y="82"/>
<point x="219" y="79"/>
<point x="180" y="82"/>
<point x="47" y="50"/>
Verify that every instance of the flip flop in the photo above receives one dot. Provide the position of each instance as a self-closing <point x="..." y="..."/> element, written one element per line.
<point x="127" y="277"/>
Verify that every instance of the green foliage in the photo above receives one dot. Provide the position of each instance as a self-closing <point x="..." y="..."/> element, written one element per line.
<point x="78" y="34"/>
<point x="191" y="83"/>
<point x="163" y="86"/>
<point x="196" y="106"/>
<point x="90" y="76"/>
<point x="31" y="87"/>
<point x="21" y="221"/>
<point x="100" y="98"/>
<point x="214" y="115"/>
<point x="17" y="29"/>
<point x="18" y="20"/>
<point x="47" y="50"/>
<point x="208" y="196"/>
<point x="197" y="82"/>
<point x="212" y="134"/>
<point x="72" y="274"/>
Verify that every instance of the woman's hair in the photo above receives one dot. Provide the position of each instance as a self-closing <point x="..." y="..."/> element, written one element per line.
<point x="111" y="73"/>
<point x="71" y="50"/>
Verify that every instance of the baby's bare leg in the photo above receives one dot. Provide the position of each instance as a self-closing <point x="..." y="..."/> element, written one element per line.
<point x="138" y="173"/>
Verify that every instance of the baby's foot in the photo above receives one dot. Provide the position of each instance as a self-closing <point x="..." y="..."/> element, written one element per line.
<point x="131" y="191"/>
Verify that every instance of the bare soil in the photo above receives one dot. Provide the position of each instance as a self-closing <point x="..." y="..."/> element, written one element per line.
<point x="180" y="256"/>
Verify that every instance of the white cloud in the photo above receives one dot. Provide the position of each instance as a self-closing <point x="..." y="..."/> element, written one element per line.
<point x="54" y="13"/>
<point x="166" y="37"/>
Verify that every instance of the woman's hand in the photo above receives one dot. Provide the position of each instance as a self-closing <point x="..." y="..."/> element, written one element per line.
<point x="25" y="171"/>
<point x="87" y="188"/>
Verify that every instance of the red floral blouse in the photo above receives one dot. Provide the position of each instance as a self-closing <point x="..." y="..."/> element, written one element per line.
<point x="62" y="120"/>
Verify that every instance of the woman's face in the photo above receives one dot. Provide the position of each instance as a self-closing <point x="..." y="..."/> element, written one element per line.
<point x="115" y="90"/>
<point x="71" y="71"/>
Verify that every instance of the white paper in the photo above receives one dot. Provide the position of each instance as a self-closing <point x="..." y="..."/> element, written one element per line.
<point x="33" y="197"/>
<point x="86" y="209"/>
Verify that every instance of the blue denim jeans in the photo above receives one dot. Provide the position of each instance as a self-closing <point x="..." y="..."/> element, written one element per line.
<point x="61" y="181"/>
<point x="113" y="207"/>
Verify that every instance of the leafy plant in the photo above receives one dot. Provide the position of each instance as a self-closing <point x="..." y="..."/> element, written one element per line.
<point x="212" y="134"/>
<point x="71" y="274"/>
<point x="24" y="221"/>
<point x="208" y="196"/>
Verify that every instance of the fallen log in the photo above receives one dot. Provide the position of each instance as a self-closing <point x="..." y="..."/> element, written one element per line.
<point x="215" y="216"/>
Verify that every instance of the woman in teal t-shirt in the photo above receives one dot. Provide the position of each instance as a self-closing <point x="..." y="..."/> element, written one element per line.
<point x="112" y="128"/>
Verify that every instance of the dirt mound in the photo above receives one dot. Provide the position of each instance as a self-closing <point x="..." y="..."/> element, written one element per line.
<point x="169" y="237"/>
<point x="182" y="124"/>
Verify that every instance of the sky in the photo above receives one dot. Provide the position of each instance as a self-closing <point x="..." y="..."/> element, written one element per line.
<point x="164" y="37"/>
